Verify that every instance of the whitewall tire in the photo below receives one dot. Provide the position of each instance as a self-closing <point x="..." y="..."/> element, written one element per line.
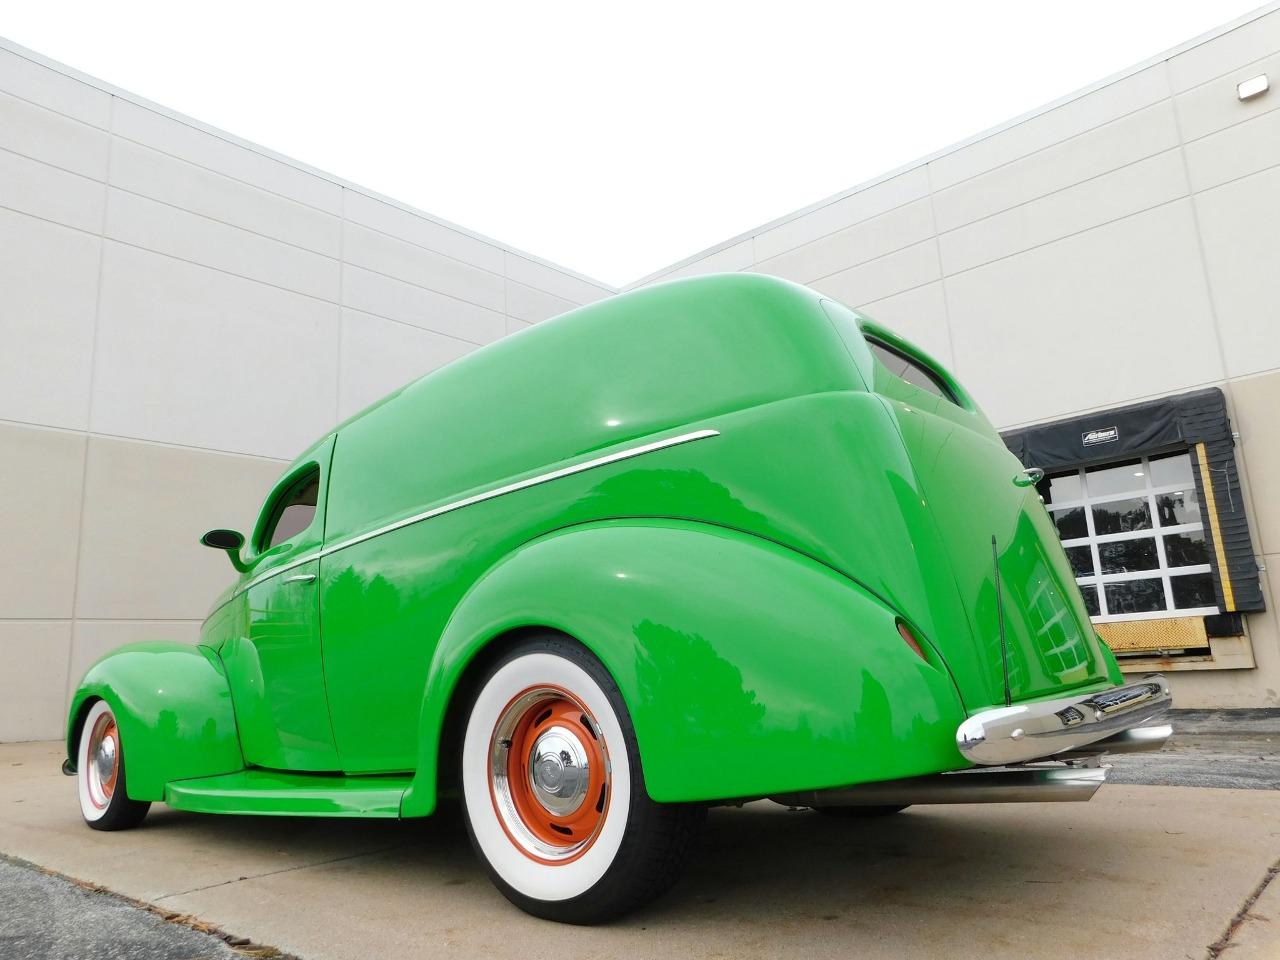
<point x="100" y="777"/>
<point x="553" y="790"/>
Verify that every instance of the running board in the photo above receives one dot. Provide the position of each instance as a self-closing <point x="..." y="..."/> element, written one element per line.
<point x="1057" y="784"/>
<point x="276" y="793"/>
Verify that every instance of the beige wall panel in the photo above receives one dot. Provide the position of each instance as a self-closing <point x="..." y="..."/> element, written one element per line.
<point x="146" y="506"/>
<point x="863" y="204"/>
<point x="1256" y="416"/>
<point x="1053" y="126"/>
<point x="1073" y="161"/>
<point x="379" y="356"/>
<point x="1238" y="222"/>
<point x="417" y="265"/>
<point x="1259" y="687"/>
<point x="396" y="300"/>
<point x="420" y="230"/>
<point x="733" y="258"/>
<point x="1238" y="151"/>
<point x="882" y="278"/>
<point x="44" y="191"/>
<point x="189" y="355"/>
<point x="1069" y="326"/>
<point x="188" y="236"/>
<point x="41" y="134"/>
<point x="209" y="150"/>
<point x="920" y="315"/>
<point x="866" y="241"/>
<point x="1245" y="44"/>
<point x="40" y="476"/>
<point x="139" y="169"/>
<point x="1131" y="189"/>
<point x="49" y="279"/>
<point x="557" y="282"/>
<point x="49" y="88"/>
<point x="33" y="681"/>
<point x="93" y="639"/>
<point x="533" y="305"/>
<point x="1214" y="106"/>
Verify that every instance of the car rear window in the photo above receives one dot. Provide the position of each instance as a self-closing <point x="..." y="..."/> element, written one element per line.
<point x="904" y="368"/>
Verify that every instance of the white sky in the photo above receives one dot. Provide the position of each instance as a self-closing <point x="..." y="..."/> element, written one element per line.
<point x="612" y="138"/>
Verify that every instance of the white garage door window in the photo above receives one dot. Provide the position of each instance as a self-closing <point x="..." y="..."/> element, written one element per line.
<point x="1134" y="534"/>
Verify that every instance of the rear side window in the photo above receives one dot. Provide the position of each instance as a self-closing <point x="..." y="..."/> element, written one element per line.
<point x="904" y="368"/>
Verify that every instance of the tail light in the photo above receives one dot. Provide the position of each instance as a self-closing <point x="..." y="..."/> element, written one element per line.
<point x="912" y="641"/>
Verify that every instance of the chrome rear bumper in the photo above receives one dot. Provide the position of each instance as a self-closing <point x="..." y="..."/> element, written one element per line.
<point x="1086" y="724"/>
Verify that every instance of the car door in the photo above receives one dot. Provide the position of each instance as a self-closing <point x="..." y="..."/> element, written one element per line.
<point x="274" y="661"/>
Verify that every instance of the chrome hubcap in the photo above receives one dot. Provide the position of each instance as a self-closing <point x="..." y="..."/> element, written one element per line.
<point x="559" y="771"/>
<point x="105" y="758"/>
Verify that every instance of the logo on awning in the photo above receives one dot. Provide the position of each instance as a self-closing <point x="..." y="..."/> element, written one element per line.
<point x="1105" y="435"/>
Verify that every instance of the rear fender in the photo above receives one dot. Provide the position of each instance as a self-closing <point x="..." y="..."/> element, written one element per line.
<point x="747" y="668"/>
<point x="173" y="707"/>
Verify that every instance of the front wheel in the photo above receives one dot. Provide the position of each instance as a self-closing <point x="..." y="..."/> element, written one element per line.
<point x="100" y="779"/>
<point x="554" y="794"/>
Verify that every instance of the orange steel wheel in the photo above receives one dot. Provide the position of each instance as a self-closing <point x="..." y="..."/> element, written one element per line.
<point x="549" y="774"/>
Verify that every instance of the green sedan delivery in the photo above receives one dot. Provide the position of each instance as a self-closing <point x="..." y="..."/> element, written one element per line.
<point x="717" y="540"/>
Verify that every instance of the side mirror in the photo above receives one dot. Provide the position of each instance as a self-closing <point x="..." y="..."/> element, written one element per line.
<point x="229" y="541"/>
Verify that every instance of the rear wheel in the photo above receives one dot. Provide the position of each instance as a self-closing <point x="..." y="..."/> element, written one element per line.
<point x="554" y="794"/>
<point x="100" y="779"/>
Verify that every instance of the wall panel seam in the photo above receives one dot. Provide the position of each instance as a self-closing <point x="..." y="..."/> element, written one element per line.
<point x="1057" y="190"/>
<point x="414" y="326"/>
<point x="1071" y="235"/>
<point x="1199" y="234"/>
<point x="942" y="274"/>
<point x="226" y="223"/>
<point x="53" y="166"/>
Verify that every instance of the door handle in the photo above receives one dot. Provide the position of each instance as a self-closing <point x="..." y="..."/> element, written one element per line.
<point x="300" y="578"/>
<point x="1028" y="477"/>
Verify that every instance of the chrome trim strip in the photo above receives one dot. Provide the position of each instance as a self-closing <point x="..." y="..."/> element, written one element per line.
<point x="978" y="785"/>
<point x="521" y="485"/>
<point x="486" y="495"/>
<point x="1042" y="729"/>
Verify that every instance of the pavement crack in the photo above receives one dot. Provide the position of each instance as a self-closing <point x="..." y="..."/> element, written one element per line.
<point x="1216" y="948"/>
<point x="273" y="873"/>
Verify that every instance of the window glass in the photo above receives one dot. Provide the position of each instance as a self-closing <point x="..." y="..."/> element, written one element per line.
<point x="1122" y="516"/>
<point x="1192" y="590"/>
<point x="1081" y="560"/>
<point x="1064" y="488"/>
<point x="1090" y="595"/>
<point x="1186" y="549"/>
<point x="1070" y="523"/>
<point x="1170" y="469"/>
<point x="1128" y="556"/>
<point x="1181" y="506"/>
<point x="910" y="371"/>
<point x="1126" y="477"/>
<point x="1135" y="596"/>
<point x="294" y="512"/>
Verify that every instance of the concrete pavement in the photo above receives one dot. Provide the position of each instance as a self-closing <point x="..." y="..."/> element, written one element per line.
<point x="1138" y="872"/>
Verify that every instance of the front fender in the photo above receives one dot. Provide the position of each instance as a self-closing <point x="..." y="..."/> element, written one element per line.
<point x="173" y="706"/>
<point x="748" y="669"/>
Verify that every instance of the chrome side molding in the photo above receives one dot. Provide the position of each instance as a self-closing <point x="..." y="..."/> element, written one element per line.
<point x="1052" y="784"/>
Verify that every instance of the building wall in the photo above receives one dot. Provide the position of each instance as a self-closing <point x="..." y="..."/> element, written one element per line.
<point x="1120" y="245"/>
<point x="182" y="313"/>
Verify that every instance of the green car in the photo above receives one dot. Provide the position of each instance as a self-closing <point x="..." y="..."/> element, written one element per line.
<point x="717" y="540"/>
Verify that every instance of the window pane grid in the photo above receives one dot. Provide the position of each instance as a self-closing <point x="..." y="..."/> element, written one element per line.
<point x="1135" y="594"/>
